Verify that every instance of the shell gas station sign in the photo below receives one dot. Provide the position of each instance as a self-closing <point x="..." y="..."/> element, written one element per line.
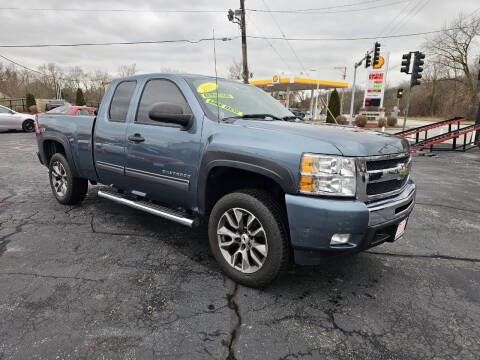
<point x="375" y="85"/>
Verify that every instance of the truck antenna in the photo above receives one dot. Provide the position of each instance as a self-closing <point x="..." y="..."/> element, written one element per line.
<point x="216" y="77"/>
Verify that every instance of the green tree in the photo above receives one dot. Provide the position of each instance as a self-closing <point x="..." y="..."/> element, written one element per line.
<point x="30" y="100"/>
<point x="80" y="99"/>
<point x="333" y="107"/>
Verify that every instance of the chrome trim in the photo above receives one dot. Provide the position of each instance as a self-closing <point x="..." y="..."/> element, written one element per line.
<point x="111" y="167"/>
<point x="390" y="193"/>
<point x="162" y="179"/>
<point x="387" y="174"/>
<point x="384" y="157"/>
<point x="384" y="211"/>
<point x="151" y="209"/>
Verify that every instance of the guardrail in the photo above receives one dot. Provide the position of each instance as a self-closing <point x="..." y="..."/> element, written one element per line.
<point x="451" y="134"/>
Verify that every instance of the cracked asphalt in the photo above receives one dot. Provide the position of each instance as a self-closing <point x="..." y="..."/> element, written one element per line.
<point x="102" y="281"/>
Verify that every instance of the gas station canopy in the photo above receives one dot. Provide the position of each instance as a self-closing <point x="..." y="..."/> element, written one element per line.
<point x="293" y="84"/>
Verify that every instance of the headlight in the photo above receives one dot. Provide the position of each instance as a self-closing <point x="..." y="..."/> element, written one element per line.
<point x="327" y="175"/>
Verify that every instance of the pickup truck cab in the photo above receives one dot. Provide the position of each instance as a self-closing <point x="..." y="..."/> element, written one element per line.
<point x="273" y="189"/>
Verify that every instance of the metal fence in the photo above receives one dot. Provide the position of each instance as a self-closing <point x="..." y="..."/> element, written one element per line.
<point x="15" y="104"/>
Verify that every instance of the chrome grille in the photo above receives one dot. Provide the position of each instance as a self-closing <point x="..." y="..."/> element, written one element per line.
<point x="386" y="175"/>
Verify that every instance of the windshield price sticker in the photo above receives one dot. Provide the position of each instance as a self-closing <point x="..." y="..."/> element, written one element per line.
<point x="215" y="95"/>
<point x="224" y="106"/>
<point x="206" y="87"/>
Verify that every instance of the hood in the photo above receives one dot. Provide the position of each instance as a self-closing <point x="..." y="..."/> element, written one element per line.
<point x="349" y="140"/>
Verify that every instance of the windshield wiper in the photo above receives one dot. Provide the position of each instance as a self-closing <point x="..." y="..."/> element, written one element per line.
<point x="290" y="118"/>
<point x="253" y="116"/>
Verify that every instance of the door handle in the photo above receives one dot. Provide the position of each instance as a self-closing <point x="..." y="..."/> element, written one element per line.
<point x="136" y="138"/>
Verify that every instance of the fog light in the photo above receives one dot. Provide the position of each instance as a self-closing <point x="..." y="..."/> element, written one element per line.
<point x="339" y="239"/>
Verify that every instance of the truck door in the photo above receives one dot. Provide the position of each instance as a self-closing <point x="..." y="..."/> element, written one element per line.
<point x="110" y="136"/>
<point x="162" y="159"/>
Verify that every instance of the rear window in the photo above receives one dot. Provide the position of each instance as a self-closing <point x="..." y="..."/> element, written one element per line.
<point x="60" y="110"/>
<point x="121" y="100"/>
<point x="83" y="112"/>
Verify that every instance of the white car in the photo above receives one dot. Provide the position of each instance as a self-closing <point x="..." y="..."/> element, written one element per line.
<point x="12" y="120"/>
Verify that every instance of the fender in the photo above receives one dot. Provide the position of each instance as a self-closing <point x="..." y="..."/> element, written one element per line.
<point x="62" y="139"/>
<point x="268" y="168"/>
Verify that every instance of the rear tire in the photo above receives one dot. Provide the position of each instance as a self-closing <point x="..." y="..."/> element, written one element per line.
<point x="66" y="188"/>
<point x="248" y="237"/>
<point x="28" y="126"/>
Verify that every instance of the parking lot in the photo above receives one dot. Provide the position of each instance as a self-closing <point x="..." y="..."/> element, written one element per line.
<point x="102" y="281"/>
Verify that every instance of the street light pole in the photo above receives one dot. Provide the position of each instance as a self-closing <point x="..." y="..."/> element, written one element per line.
<point x="353" y="92"/>
<point x="357" y="64"/>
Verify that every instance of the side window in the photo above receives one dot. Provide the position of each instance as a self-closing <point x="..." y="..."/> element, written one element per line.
<point x="156" y="91"/>
<point x="82" y="112"/>
<point x="120" y="101"/>
<point x="4" y="110"/>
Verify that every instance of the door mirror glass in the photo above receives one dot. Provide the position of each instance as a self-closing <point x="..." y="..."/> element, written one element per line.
<point x="170" y="113"/>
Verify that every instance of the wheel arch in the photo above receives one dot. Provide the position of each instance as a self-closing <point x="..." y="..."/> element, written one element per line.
<point x="56" y="143"/>
<point x="242" y="171"/>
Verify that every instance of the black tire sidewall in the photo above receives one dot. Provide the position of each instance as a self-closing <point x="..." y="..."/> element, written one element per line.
<point x="273" y="262"/>
<point x="69" y="194"/>
<point x="25" y="123"/>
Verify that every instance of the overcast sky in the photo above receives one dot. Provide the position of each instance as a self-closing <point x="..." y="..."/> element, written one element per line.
<point x="389" y="17"/>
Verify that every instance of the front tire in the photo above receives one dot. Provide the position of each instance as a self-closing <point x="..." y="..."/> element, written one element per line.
<point x="248" y="237"/>
<point x="28" y="126"/>
<point x="66" y="188"/>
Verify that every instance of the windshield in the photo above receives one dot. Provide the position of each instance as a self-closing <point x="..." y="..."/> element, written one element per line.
<point x="60" y="110"/>
<point x="236" y="99"/>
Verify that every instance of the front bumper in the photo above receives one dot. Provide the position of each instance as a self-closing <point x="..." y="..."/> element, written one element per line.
<point x="313" y="221"/>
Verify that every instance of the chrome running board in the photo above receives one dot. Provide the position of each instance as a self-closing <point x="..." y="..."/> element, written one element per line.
<point x="150" y="208"/>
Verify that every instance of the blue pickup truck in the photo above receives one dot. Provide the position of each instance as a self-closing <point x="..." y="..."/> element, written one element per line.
<point x="273" y="189"/>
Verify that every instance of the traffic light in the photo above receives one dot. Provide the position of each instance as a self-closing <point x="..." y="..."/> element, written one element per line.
<point x="417" y="68"/>
<point x="405" y="63"/>
<point x="376" y="54"/>
<point x="399" y="93"/>
<point x="368" y="60"/>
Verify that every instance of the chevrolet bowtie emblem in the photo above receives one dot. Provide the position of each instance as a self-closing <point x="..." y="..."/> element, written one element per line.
<point x="403" y="171"/>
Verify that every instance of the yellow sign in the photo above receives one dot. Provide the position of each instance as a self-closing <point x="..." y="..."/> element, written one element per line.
<point x="381" y="61"/>
<point x="224" y="106"/>
<point x="206" y="87"/>
<point x="275" y="79"/>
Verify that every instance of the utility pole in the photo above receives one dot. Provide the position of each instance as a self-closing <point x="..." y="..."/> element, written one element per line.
<point x="344" y="76"/>
<point x="244" y="42"/>
<point x="238" y="17"/>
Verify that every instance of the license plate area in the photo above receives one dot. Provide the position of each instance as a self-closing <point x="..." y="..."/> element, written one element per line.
<point x="401" y="228"/>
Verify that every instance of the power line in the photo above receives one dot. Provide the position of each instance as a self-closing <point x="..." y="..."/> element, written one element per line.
<point x="358" y="38"/>
<point x="284" y="37"/>
<point x="168" y="11"/>
<point x="415" y="10"/>
<point x="250" y="20"/>
<point x="230" y="38"/>
<point x="111" y="10"/>
<point x="392" y="22"/>
<point x="39" y="72"/>
<point x="120" y="43"/>
<point x="323" y="10"/>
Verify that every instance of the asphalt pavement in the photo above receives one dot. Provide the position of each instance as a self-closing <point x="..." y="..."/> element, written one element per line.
<point x="103" y="281"/>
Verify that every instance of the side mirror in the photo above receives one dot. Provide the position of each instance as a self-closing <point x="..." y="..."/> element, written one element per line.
<point x="170" y="113"/>
<point x="95" y="112"/>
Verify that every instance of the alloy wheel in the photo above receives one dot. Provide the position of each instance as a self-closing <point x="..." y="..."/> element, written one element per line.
<point x="59" y="178"/>
<point x="242" y="240"/>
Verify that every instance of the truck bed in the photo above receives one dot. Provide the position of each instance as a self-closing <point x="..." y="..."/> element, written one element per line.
<point x="78" y="132"/>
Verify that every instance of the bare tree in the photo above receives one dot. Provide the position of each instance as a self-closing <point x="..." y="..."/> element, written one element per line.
<point x="451" y="53"/>
<point x="235" y="70"/>
<point x="127" y="70"/>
